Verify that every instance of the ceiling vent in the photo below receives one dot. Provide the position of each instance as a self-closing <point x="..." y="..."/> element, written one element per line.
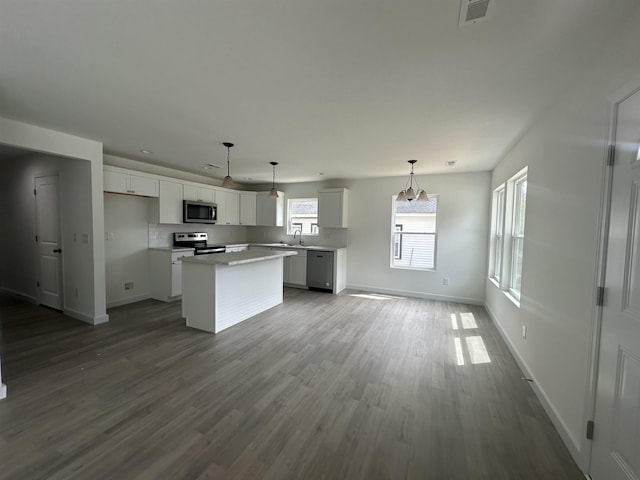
<point x="474" y="11"/>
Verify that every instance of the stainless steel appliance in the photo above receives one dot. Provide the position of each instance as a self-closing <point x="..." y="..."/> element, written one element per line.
<point x="197" y="241"/>
<point x="199" y="212"/>
<point x="320" y="270"/>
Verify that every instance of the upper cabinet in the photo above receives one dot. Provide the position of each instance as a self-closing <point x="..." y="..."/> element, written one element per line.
<point x="170" y="202"/>
<point x="118" y="181"/>
<point x="248" y="208"/>
<point x="228" y="202"/>
<point x="269" y="211"/>
<point x="198" y="194"/>
<point x="333" y="208"/>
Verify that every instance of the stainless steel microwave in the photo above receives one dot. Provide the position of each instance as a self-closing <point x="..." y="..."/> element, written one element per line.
<point x="199" y="212"/>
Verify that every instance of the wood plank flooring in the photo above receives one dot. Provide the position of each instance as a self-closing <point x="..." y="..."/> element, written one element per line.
<point x="321" y="387"/>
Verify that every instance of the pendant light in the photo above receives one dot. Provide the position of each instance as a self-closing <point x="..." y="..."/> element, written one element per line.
<point x="408" y="193"/>
<point x="273" y="193"/>
<point x="228" y="181"/>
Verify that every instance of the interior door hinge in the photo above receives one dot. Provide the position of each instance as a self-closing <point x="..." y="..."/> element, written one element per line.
<point x="612" y="155"/>
<point x="600" y="297"/>
<point x="590" y="426"/>
<point x="34" y="191"/>
<point x="36" y="238"/>
<point x="37" y="284"/>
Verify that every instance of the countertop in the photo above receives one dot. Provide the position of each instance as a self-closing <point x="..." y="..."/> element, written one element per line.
<point x="295" y="247"/>
<point x="171" y="249"/>
<point x="238" y="258"/>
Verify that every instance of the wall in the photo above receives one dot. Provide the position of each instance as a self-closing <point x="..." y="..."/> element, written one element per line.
<point x="462" y="235"/>
<point x="18" y="255"/>
<point x="564" y="152"/>
<point x="83" y="169"/>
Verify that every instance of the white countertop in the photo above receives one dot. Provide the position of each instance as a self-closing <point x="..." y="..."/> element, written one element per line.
<point x="237" y="258"/>
<point x="172" y="249"/>
<point x="295" y="247"/>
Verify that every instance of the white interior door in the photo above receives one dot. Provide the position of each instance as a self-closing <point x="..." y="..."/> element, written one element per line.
<point x="616" y="442"/>
<point x="48" y="240"/>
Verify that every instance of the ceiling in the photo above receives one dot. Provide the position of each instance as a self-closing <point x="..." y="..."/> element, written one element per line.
<point x="342" y="88"/>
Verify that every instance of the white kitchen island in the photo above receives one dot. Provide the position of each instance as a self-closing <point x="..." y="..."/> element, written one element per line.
<point x="222" y="289"/>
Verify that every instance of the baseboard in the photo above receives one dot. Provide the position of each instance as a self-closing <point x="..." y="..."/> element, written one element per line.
<point x="408" y="293"/>
<point x="3" y="391"/>
<point x="86" y="318"/>
<point x="572" y="444"/>
<point x="15" y="293"/>
<point x="127" y="301"/>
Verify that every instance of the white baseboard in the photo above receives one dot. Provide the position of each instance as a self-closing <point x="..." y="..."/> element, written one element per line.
<point x="3" y="391"/>
<point x="572" y="443"/>
<point x="408" y="293"/>
<point x="128" y="300"/>
<point x="15" y="293"/>
<point x="86" y="318"/>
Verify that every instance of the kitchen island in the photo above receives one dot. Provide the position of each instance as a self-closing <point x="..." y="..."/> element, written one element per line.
<point x="223" y="289"/>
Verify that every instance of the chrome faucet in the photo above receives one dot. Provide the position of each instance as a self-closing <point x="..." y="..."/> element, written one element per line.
<point x="294" y="236"/>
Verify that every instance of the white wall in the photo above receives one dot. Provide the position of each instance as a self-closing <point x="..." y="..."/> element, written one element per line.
<point x="83" y="169"/>
<point x="126" y="226"/>
<point x="18" y="255"/>
<point x="564" y="152"/>
<point x="463" y="210"/>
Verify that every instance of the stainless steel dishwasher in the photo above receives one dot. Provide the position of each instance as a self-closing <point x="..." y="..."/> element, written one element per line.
<point x="320" y="270"/>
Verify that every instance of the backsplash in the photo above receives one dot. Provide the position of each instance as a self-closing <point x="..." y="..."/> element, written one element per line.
<point x="162" y="235"/>
<point x="328" y="237"/>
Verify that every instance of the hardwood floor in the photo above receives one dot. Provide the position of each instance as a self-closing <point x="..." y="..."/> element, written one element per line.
<point x="321" y="387"/>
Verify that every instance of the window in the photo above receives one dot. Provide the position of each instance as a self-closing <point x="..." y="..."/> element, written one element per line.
<point x="413" y="234"/>
<point x="498" y="233"/>
<point x="517" y="233"/>
<point x="302" y="216"/>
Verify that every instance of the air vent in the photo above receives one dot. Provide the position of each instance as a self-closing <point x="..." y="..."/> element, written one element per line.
<point x="474" y="11"/>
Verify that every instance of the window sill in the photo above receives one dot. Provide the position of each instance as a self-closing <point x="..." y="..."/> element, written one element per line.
<point x="511" y="297"/>
<point x="413" y="268"/>
<point x="494" y="281"/>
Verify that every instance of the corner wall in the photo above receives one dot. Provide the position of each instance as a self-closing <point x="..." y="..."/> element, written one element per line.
<point x="565" y="152"/>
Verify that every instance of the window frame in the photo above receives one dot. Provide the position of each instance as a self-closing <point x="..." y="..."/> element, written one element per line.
<point x="498" y="234"/>
<point x="518" y="223"/>
<point x="314" y="224"/>
<point x="394" y="231"/>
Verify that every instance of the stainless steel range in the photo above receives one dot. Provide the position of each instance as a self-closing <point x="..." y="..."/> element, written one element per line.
<point x="198" y="241"/>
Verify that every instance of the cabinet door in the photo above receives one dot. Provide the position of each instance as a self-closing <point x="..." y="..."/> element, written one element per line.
<point x="206" y="195"/>
<point x="115" y="182"/>
<point x="270" y="211"/>
<point x="232" y="208"/>
<point x="330" y="209"/>
<point x="170" y="202"/>
<point x="298" y="269"/>
<point x="286" y="269"/>
<point x="190" y="192"/>
<point x="144" y="186"/>
<point x="221" y="201"/>
<point x="248" y="208"/>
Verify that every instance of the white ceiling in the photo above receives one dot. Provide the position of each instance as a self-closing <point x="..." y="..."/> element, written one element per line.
<point x="349" y="88"/>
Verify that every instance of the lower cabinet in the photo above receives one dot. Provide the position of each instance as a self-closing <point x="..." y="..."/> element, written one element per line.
<point x="165" y="268"/>
<point x="295" y="270"/>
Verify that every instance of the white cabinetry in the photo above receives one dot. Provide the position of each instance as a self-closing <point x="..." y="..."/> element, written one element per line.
<point x="228" y="202"/>
<point x="295" y="269"/>
<point x="333" y="208"/>
<point x="247" y="208"/>
<point x="117" y="181"/>
<point x="169" y="203"/>
<point x="166" y="273"/>
<point x="198" y="194"/>
<point x="269" y="211"/>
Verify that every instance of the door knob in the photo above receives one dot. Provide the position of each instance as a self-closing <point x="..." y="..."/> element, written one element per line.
<point x="57" y="250"/>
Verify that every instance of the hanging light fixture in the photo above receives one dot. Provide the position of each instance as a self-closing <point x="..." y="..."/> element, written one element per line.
<point x="273" y="193"/>
<point x="228" y="181"/>
<point x="408" y="193"/>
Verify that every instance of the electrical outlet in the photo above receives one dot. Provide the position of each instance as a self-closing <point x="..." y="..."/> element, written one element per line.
<point x="128" y="286"/>
<point x="445" y="281"/>
<point x="524" y="331"/>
